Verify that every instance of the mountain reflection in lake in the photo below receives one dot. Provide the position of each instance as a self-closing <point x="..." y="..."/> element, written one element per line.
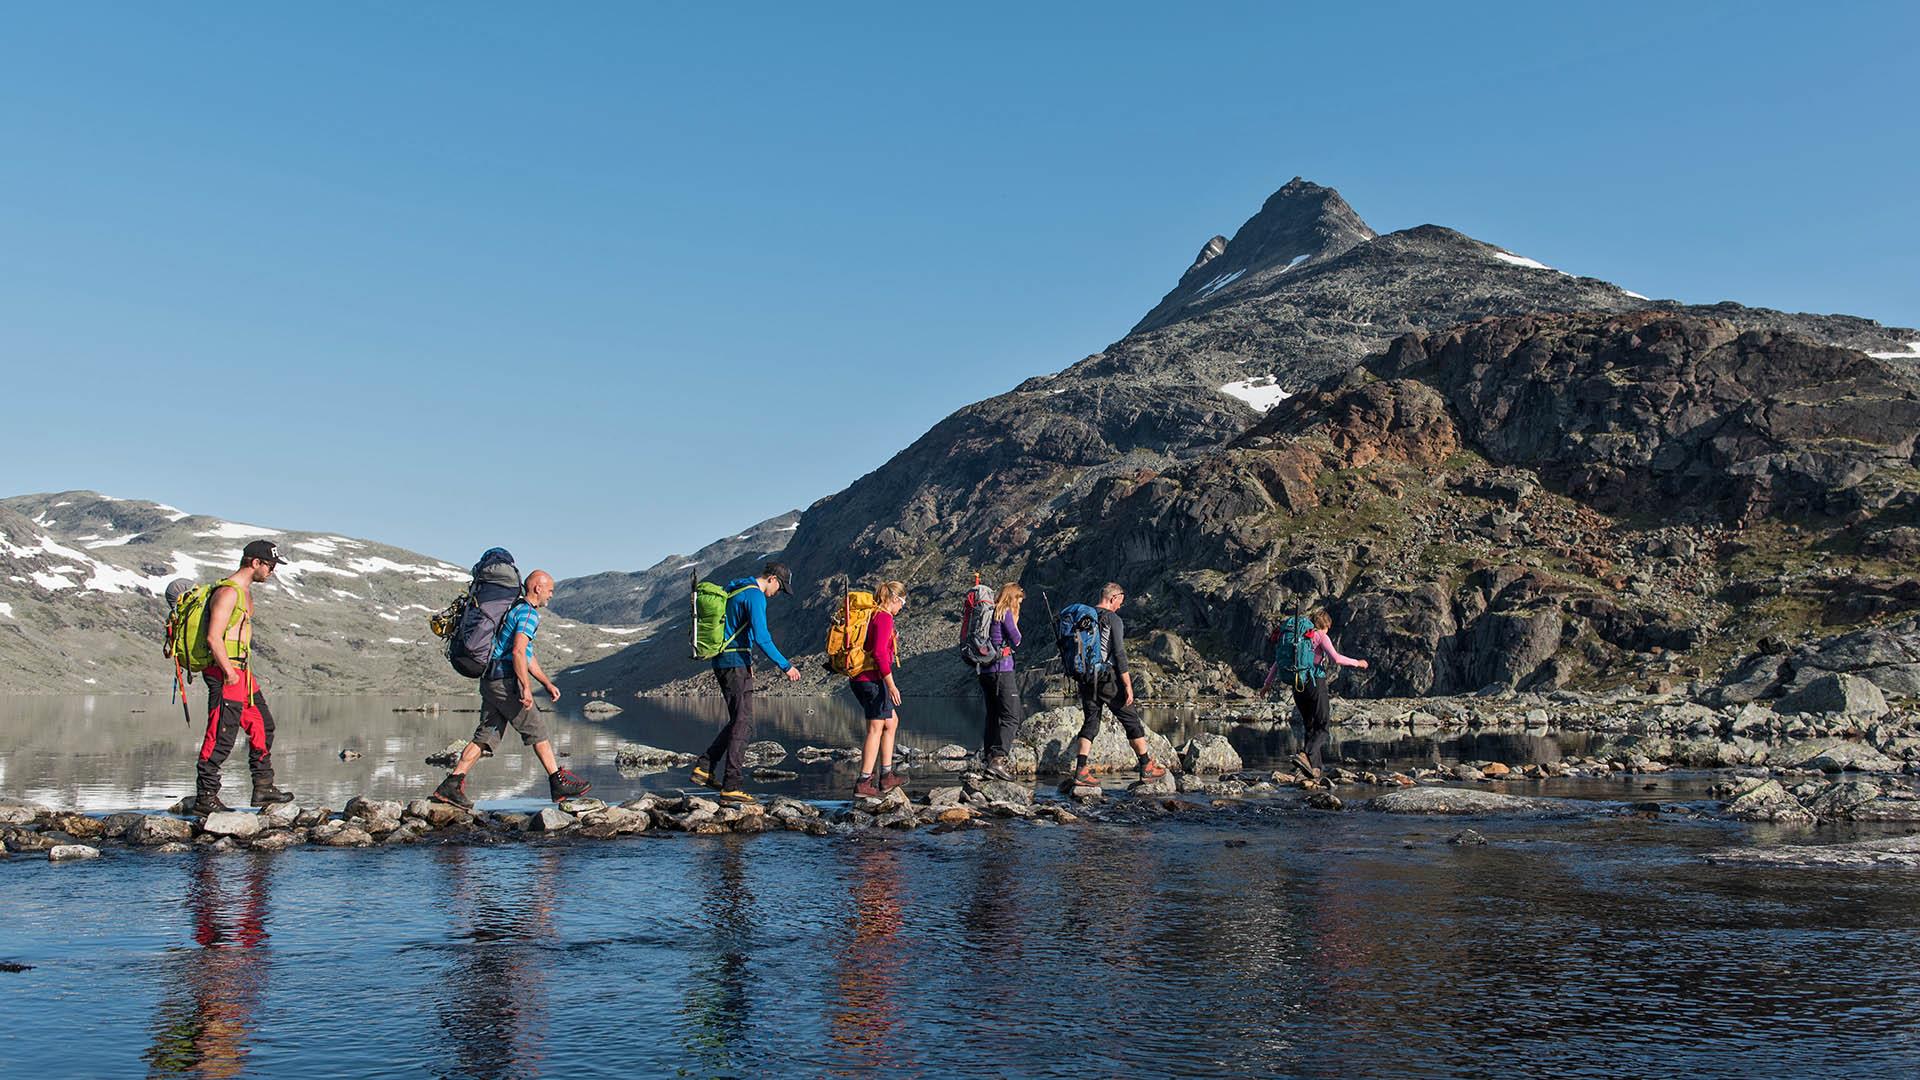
<point x="108" y="752"/>
<point x="1285" y="942"/>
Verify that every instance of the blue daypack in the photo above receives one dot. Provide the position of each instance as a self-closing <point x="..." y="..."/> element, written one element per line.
<point x="1293" y="655"/>
<point x="1078" y="632"/>
<point x="494" y="590"/>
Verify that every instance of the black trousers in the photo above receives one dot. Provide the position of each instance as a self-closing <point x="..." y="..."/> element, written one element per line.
<point x="728" y="754"/>
<point x="1316" y="715"/>
<point x="1001" y="692"/>
<point x="1107" y="691"/>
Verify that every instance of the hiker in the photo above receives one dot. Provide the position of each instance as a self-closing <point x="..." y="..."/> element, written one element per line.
<point x="236" y="698"/>
<point x="724" y="765"/>
<point x="1308" y="676"/>
<point x="879" y="697"/>
<point x="506" y="697"/>
<point x="998" y="687"/>
<point x="1111" y="685"/>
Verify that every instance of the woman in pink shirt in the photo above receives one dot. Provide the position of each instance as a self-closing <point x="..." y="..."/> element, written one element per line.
<point x="1314" y="700"/>
<point x="878" y="695"/>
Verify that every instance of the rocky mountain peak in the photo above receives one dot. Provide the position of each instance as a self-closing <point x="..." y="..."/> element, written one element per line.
<point x="1301" y="223"/>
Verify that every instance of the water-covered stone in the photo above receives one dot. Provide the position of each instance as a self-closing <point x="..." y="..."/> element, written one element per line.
<point x="72" y="853"/>
<point x="1451" y="800"/>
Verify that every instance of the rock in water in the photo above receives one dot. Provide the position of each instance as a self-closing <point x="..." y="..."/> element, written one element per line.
<point x="1324" y="800"/>
<point x="153" y="830"/>
<point x="1051" y="733"/>
<point x="765" y="752"/>
<point x="1210" y="753"/>
<point x="1766" y="800"/>
<point x="551" y="820"/>
<point x="231" y="823"/>
<point x="72" y="853"/>
<point x="1467" y="838"/>
<point x="598" y="707"/>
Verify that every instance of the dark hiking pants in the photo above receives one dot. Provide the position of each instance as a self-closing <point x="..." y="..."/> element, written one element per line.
<point x="1316" y="716"/>
<point x="1001" y="692"/>
<point x="728" y="754"/>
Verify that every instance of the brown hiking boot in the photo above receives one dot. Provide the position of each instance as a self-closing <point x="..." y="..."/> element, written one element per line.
<point x="891" y="780"/>
<point x="867" y="788"/>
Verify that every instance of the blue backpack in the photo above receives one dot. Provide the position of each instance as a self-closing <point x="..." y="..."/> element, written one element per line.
<point x="1293" y="655"/>
<point x="1078" y="630"/>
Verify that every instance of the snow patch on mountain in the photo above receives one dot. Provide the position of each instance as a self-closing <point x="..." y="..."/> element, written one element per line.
<point x="1263" y="393"/>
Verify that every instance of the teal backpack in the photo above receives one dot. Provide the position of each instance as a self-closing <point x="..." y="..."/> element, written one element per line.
<point x="1293" y="656"/>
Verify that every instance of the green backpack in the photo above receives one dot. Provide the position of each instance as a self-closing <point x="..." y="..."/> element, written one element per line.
<point x="710" y="637"/>
<point x="187" y="626"/>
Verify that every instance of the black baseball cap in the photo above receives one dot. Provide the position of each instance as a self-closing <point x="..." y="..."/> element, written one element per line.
<point x="264" y="550"/>
<point x="778" y="571"/>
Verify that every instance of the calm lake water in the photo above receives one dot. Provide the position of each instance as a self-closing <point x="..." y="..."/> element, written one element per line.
<point x="1270" y="942"/>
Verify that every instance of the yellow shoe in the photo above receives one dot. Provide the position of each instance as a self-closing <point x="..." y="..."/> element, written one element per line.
<point x="737" y="796"/>
<point x="702" y="775"/>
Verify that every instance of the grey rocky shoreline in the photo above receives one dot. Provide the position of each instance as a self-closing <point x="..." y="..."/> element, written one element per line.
<point x="1795" y="769"/>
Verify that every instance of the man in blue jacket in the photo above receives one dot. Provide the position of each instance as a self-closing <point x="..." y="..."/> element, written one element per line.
<point x="725" y="764"/>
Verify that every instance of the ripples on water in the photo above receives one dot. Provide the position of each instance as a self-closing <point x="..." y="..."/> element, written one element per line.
<point x="1277" y="942"/>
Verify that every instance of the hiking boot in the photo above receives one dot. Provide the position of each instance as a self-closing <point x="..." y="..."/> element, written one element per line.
<point x="265" y="795"/>
<point x="889" y="781"/>
<point x="1304" y="763"/>
<point x="453" y="791"/>
<point x="1083" y="777"/>
<point x="997" y="768"/>
<point x="1152" y="770"/>
<point x="867" y="788"/>
<point x="209" y="804"/>
<point x="703" y="772"/>
<point x="564" y="785"/>
<point x="737" y="795"/>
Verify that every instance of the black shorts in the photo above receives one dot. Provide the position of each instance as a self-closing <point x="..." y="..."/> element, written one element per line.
<point x="874" y="699"/>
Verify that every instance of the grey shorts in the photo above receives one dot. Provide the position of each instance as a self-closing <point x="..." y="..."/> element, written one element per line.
<point x="500" y="706"/>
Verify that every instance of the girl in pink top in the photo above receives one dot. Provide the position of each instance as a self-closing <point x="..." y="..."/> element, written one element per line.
<point x="1315" y="701"/>
<point x="878" y="695"/>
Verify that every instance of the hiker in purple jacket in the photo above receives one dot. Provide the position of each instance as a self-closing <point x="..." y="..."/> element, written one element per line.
<point x="998" y="686"/>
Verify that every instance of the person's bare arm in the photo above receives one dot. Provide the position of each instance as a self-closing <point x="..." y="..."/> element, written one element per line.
<point x="533" y="665"/>
<point x="219" y="611"/>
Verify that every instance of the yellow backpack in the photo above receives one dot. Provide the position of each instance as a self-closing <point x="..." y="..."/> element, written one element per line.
<point x="847" y="652"/>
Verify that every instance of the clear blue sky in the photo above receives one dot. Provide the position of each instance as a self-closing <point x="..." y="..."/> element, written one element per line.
<point x="602" y="282"/>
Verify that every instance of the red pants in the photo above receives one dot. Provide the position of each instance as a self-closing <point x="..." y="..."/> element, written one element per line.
<point x="231" y="710"/>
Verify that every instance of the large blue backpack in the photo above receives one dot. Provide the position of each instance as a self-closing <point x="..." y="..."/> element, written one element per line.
<point x="494" y="590"/>
<point x="1293" y="655"/>
<point x="1077" y="629"/>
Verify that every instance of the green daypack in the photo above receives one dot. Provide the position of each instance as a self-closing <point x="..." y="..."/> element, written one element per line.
<point x="187" y="627"/>
<point x="710" y="637"/>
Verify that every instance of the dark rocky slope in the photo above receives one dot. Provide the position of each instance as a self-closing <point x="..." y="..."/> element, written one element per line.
<point x="1023" y="484"/>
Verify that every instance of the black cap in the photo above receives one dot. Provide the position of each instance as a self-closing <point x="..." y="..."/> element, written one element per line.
<point x="264" y="550"/>
<point x="778" y="571"/>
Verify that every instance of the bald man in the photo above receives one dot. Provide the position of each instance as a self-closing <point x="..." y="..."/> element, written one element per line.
<point x="506" y="697"/>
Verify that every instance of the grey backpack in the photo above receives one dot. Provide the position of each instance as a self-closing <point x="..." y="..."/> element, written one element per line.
<point x="976" y="628"/>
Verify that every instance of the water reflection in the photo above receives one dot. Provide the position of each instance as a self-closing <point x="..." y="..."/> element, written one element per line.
<point x="718" y="1012"/>
<point x="212" y="991"/>
<point x="869" y="976"/>
<point x="490" y="996"/>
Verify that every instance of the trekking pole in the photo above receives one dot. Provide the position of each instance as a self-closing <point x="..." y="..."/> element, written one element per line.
<point x="1051" y="621"/>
